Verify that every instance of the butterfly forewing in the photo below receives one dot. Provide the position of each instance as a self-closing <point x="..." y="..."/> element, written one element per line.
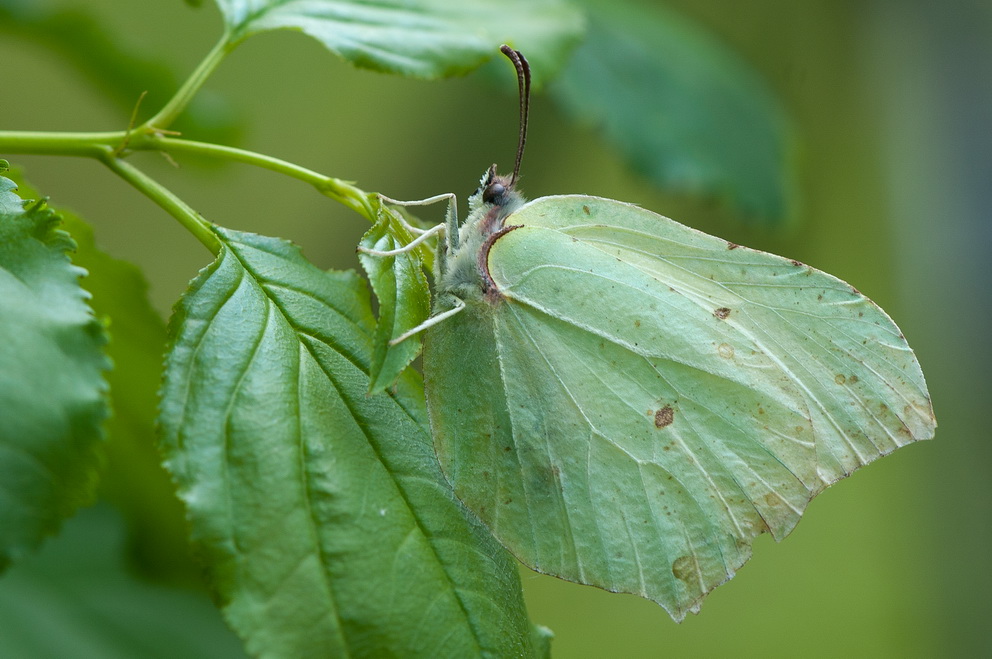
<point x="641" y="400"/>
<point x="861" y="382"/>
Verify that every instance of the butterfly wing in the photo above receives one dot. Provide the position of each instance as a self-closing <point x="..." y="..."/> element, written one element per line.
<point x="645" y="399"/>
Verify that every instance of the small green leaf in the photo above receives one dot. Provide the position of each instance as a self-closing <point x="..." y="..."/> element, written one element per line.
<point x="401" y="287"/>
<point x="320" y="512"/>
<point x="683" y="109"/>
<point x="52" y="392"/>
<point x="419" y="38"/>
<point x="78" y="598"/>
<point x="542" y="637"/>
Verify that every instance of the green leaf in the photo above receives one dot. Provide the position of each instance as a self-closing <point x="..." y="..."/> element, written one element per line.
<point x="631" y="402"/>
<point x="683" y="109"/>
<point x="418" y="38"/>
<point x="542" y="637"/>
<point x="401" y="287"/>
<point x="79" y="598"/>
<point x="52" y="392"/>
<point x="320" y="512"/>
<point x="133" y="479"/>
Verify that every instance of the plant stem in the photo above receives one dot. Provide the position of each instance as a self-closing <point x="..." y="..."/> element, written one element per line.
<point x="164" y="117"/>
<point x="111" y="147"/>
<point x="91" y="145"/>
<point x="341" y="191"/>
<point x="162" y="196"/>
<point x="95" y="145"/>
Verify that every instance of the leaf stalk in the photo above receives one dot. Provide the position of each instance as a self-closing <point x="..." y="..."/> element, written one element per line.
<point x="175" y="106"/>
<point x="163" y="197"/>
<point x="337" y="189"/>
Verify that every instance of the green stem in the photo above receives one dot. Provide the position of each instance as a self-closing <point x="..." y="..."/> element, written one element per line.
<point x="164" y="117"/>
<point x="91" y="145"/>
<point x="95" y="145"/>
<point x="162" y="196"/>
<point x="110" y="148"/>
<point x="341" y="191"/>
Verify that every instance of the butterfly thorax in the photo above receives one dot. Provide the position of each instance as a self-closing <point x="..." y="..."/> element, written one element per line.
<point x="466" y="274"/>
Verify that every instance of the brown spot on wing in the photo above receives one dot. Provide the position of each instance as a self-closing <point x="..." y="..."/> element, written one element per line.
<point x="664" y="417"/>
<point x="685" y="569"/>
<point x="773" y="499"/>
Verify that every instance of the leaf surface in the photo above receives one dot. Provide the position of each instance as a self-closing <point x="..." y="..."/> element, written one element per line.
<point x="79" y="598"/>
<point x="646" y="399"/>
<point x="683" y="109"/>
<point x="133" y="479"/>
<point x="52" y="391"/>
<point x="401" y="287"/>
<point x="418" y="38"/>
<point x="320" y="512"/>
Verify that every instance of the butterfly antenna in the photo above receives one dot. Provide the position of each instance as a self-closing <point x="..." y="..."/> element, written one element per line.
<point x="523" y="83"/>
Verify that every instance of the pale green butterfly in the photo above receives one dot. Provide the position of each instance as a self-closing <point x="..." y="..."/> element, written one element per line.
<point x="627" y="402"/>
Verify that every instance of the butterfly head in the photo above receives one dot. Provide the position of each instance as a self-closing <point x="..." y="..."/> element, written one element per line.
<point x="494" y="190"/>
<point x="466" y="269"/>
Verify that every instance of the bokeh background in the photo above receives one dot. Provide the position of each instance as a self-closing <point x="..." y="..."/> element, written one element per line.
<point x="892" y="103"/>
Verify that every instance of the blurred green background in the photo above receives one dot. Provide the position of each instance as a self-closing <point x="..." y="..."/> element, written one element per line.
<point x="892" y="102"/>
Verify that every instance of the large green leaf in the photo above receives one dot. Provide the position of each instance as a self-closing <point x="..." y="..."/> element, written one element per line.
<point x="629" y="402"/>
<point x="52" y="392"/>
<point x="320" y="512"/>
<point x="79" y="598"/>
<point x="418" y="38"/>
<point x="134" y="479"/>
<point x="682" y="108"/>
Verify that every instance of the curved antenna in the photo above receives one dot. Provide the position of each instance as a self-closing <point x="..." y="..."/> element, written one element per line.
<point x="523" y="84"/>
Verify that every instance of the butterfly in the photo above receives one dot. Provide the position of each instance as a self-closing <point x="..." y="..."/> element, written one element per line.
<point x="628" y="402"/>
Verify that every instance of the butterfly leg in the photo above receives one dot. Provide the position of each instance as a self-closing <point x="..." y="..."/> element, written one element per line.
<point x="433" y="320"/>
<point x="410" y="246"/>
<point x="450" y="215"/>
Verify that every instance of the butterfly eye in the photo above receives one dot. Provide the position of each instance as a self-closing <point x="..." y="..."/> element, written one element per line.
<point x="493" y="193"/>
